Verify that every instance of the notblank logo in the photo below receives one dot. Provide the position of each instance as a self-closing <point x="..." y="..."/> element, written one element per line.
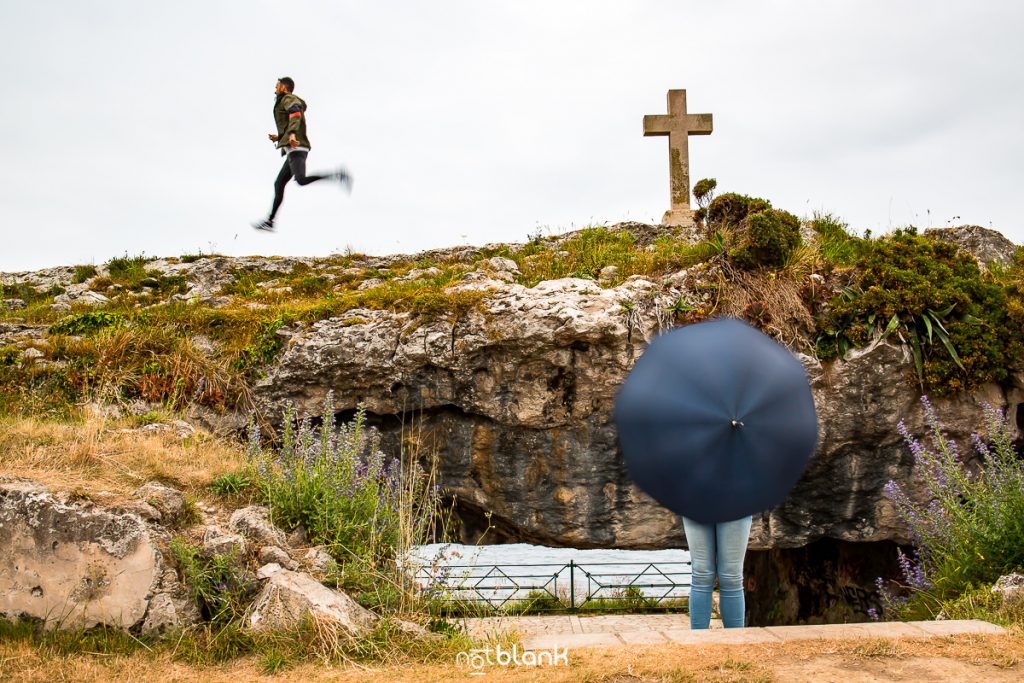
<point x="484" y="657"/>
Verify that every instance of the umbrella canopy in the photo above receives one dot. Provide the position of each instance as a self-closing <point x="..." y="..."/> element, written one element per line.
<point x="716" y="421"/>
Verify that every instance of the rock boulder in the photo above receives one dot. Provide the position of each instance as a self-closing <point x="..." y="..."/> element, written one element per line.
<point x="72" y="564"/>
<point x="985" y="245"/>
<point x="169" y="502"/>
<point x="1010" y="588"/>
<point x="254" y="524"/>
<point x="288" y="598"/>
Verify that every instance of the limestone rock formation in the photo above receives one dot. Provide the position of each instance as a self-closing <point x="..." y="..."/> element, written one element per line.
<point x="985" y="245"/>
<point x="268" y="570"/>
<point x="517" y="395"/>
<point x="79" y="294"/>
<point x="271" y="554"/>
<point x="521" y="391"/>
<point x="517" y="398"/>
<point x="169" y="503"/>
<point x="859" y="403"/>
<point x="216" y="541"/>
<point x="290" y="597"/>
<point x="254" y="524"/>
<point x="1010" y="588"/>
<point x="72" y="564"/>
<point x="319" y="560"/>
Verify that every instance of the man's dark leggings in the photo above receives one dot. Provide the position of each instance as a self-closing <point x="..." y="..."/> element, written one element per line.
<point x="294" y="166"/>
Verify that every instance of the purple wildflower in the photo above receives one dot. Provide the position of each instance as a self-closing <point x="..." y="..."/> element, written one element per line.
<point x="956" y="518"/>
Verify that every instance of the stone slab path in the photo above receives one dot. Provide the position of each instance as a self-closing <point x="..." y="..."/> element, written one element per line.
<point x="571" y="631"/>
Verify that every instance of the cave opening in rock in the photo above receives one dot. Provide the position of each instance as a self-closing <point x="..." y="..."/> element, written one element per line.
<point x="825" y="581"/>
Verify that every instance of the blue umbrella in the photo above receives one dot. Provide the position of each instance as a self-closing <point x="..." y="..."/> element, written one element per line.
<point x="716" y="421"/>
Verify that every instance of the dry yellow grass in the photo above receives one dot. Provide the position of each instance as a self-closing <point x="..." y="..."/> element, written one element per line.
<point x="94" y="455"/>
<point x="990" y="658"/>
<point x="774" y="301"/>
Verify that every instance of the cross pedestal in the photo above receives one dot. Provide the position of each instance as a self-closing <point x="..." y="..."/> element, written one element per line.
<point x="678" y="126"/>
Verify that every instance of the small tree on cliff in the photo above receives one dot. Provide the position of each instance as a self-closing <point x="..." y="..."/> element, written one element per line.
<point x="704" y="192"/>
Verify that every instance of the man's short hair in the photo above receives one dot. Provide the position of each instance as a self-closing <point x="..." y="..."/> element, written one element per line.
<point x="288" y="83"/>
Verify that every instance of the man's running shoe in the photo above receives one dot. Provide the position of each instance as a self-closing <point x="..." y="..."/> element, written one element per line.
<point x="265" y="225"/>
<point x="345" y="179"/>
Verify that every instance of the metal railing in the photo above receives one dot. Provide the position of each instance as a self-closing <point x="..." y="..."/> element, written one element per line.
<point x="556" y="587"/>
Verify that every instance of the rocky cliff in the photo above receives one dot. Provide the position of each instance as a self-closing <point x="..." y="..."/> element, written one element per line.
<point x="514" y="394"/>
<point x="517" y="397"/>
<point x="515" y="391"/>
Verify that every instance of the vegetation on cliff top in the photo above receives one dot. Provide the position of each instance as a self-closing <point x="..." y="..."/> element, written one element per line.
<point x="826" y="296"/>
<point x="957" y="322"/>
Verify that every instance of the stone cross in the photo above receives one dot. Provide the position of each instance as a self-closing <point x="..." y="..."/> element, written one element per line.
<point x="678" y="126"/>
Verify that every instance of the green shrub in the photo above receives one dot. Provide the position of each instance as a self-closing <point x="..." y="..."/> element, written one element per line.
<point x="124" y="269"/>
<point x="131" y="273"/>
<point x="28" y="293"/>
<point x="729" y="209"/>
<point x="979" y="603"/>
<point x="231" y="484"/>
<point x="83" y="273"/>
<point x="35" y="390"/>
<point x="704" y="190"/>
<point x="312" y="285"/>
<point x="87" y="323"/>
<point x="756" y="234"/>
<point x="704" y="193"/>
<point x="930" y="296"/>
<point x="216" y="581"/>
<point x="838" y="246"/>
<point x="765" y="238"/>
<point x="246" y="283"/>
<point x="9" y="355"/>
<point x="264" y="347"/>
<point x="338" y="485"/>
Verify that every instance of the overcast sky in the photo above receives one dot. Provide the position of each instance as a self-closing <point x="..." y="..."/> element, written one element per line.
<point x="140" y="127"/>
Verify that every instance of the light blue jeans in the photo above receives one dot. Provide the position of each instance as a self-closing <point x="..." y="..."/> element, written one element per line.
<point x="717" y="549"/>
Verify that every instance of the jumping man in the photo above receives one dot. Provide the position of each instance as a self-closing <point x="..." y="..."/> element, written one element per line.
<point x="290" y="116"/>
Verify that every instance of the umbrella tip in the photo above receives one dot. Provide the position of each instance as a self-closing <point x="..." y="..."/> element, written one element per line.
<point x="737" y="423"/>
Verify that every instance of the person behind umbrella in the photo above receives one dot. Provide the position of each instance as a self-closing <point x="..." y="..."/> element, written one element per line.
<point x="717" y="423"/>
<point x="717" y="549"/>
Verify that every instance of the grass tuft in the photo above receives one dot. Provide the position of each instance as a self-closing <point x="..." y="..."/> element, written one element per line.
<point x="83" y="273"/>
